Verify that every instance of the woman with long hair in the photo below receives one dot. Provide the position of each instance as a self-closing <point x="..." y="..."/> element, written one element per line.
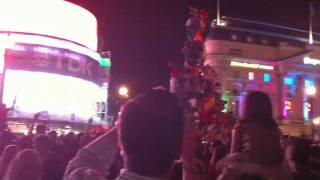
<point x="256" y="146"/>
<point x="256" y="135"/>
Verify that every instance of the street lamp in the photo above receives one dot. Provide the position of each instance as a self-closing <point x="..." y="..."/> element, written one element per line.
<point x="123" y="91"/>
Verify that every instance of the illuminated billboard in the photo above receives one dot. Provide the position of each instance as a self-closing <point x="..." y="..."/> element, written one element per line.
<point x="54" y="60"/>
<point x="48" y="61"/>
<point x="62" y="84"/>
<point x="56" y="18"/>
<point x="61" y="97"/>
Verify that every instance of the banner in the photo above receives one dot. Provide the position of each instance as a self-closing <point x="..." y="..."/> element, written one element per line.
<point x="52" y="60"/>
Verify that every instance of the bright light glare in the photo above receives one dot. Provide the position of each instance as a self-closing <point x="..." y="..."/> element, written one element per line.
<point x="6" y="41"/>
<point x="61" y="96"/>
<point x="47" y="17"/>
<point x="123" y="91"/>
<point x="311" y="91"/>
<point x="251" y="65"/>
<point x="251" y="75"/>
<point x="316" y="121"/>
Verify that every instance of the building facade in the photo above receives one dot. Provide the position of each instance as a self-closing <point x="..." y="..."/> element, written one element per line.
<point x="278" y="60"/>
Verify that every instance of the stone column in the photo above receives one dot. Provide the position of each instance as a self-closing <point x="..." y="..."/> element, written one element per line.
<point x="316" y="102"/>
<point x="298" y="99"/>
<point x="281" y="88"/>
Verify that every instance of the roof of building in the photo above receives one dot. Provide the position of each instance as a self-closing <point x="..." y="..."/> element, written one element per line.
<point x="255" y="32"/>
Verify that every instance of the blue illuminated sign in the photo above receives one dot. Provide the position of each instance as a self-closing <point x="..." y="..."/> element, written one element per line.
<point x="289" y="81"/>
<point x="266" y="77"/>
<point x="307" y="110"/>
<point x="309" y="83"/>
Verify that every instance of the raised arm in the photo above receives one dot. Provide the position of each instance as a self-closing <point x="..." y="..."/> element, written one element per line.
<point x="236" y="141"/>
<point x="97" y="156"/>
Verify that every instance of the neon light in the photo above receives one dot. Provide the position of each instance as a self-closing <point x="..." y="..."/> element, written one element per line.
<point x="287" y="107"/>
<point x="251" y="76"/>
<point x="266" y="77"/>
<point x="251" y="65"/>
<point x="59" y="95"/>
<point x="50" y="17"/>
<point x="105" y="62"/>
<point x="307" y="107"/>
<point x="310" y="88"/>
<point x="316" y="121"/>
<point x="226" y="97"/>
<point x="289" y="81"/>
<point x="308" y="60"/>
<point x="309" y="83"/>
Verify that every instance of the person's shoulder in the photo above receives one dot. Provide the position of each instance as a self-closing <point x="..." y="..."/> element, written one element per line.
<point x="85" y="173"/>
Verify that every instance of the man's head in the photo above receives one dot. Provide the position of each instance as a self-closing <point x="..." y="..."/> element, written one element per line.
<point x="151" y="129"/>
<point x="42" y="143"/>
<point x="41" y="129"/>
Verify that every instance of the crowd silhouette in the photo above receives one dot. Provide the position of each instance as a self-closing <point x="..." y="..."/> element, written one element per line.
<point x="155" y="138"/>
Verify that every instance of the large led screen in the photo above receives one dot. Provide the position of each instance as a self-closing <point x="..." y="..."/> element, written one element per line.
<point x="61" y="97"/>
<point x="56" y="18"/>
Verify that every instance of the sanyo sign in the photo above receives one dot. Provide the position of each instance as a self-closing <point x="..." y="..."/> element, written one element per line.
<point x="308" y="60"/>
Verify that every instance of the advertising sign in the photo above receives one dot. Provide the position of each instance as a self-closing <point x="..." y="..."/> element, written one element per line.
<point x="53" y="60"/>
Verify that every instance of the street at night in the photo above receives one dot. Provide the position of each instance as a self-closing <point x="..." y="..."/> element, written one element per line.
<point x="159" y="90"/>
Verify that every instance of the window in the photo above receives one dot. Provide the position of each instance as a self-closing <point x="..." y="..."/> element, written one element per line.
<point x="251" y="76"/>
<point x="266" y="77"/>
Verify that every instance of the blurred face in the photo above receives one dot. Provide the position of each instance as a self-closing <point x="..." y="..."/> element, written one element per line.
<point x="41" y="131"/>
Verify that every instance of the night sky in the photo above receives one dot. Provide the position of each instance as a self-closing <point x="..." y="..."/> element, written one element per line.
<point x="145" y="35"/>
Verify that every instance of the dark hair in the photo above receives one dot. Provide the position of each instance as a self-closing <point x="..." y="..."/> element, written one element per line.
<point x="258" y="109"/>
<point x="44" y="141"/>
<point x="251" y="177"/>
<point x="151" y="129"/>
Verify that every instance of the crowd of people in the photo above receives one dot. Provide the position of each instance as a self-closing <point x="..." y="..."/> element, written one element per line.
<point x="43" y="155"/>
<point x="154" y="138"/>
